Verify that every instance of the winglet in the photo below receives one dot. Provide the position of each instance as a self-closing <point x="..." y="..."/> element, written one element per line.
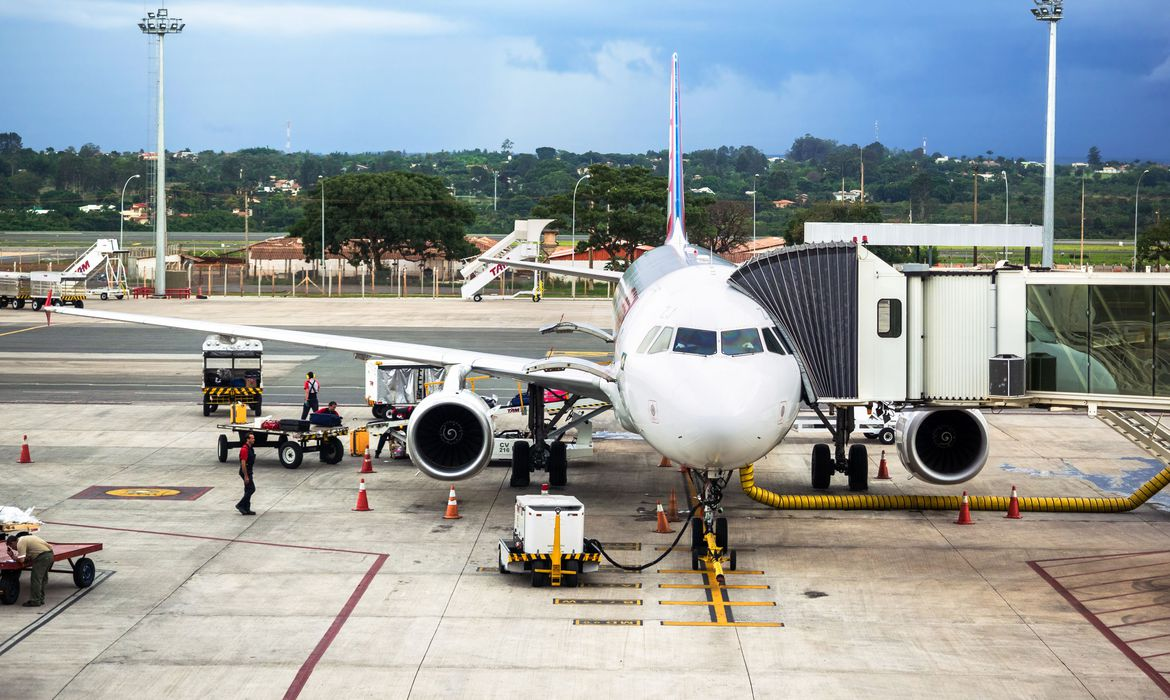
<point x="676" y="236"/>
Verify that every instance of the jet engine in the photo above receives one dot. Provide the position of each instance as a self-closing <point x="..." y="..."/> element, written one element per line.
<point x="450" y="435"/>
<point x="942" y="445"/>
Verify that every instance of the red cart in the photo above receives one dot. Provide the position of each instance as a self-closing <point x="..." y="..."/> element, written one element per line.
<point x="80" y="566"/>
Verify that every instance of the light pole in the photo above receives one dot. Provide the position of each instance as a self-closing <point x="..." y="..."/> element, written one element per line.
<point x="1136" y="191"/>
<point x="122" y="208"/>
<point x="160" y="24"/>
<point x="579" y="181"/>
<point x="495" y="188"/>
<point x="321" y="179"/>
<point x="754" y="188"/>
<point x="1007" y="201"/>
<point x="1049" y="11"/>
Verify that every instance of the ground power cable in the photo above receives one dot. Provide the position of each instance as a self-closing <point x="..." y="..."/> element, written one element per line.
<point x="647" y="565"/>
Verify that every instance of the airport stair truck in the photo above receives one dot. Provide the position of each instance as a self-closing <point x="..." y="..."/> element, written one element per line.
<point x="102" y="256"/>
<point x="232" y="372"/>
<point x="522" y="244"/>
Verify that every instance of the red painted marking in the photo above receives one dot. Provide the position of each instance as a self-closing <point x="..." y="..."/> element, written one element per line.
<point x="1134" y="607"/>
<point x="1151" y="656"/>
<point x="1139" y="622"/>
<point x="302" y="677"/>
<point x="310" y="663"/>
<point x="1146" y="639"/>
<point x="1109" y="571"/>
<point x="1153" y="674"/>
<point x="1109" y="597"/>
<point x="1073" y="560"/>
<point x="1110" y="583"/>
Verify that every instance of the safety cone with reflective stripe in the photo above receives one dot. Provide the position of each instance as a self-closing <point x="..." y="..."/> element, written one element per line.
<point x="965" y="512"/>
<point x="367" y="464"/>
<point x="362" y="503"/>
<point x="663" y="526"/>
<point x="452" y="507"/>
<point x="672" y="508"/>
<point x="883" y="471"/>
<point x="25" y="457"/>
<point x="1014" y="506"/>
<point x="664" y="462"/>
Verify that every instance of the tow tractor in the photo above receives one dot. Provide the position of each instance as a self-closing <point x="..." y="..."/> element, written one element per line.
<point x="548" y="540"/>
<point x="232" y="372"/>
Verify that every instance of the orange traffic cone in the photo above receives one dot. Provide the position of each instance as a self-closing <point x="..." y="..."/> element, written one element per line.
<point x="25" y="457"/>
<point x="664" y="462"/>
<point x="367" y="464"/>
<point x="965" y="512"/>
<point x="362" y="503"/>
<point x="544" y="489"/>
<point x="1014" y="506"/>
<point x="672" y="508"/>
<point x="452" y="507"/>
<point x="883" y="472"/>
<point x="663" y="526"/>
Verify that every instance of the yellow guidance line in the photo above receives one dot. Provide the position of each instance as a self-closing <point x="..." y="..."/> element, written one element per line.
<point x="722" y="604"/>
<point x="672" y="623"/>
<point x="726" y="572"/>
<point x="22" y="330"/>
<point x="698" y="586"/>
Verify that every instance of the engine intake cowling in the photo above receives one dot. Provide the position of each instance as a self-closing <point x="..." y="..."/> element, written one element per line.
<point x="942" y="445"/>
<point x="450" y="435"/>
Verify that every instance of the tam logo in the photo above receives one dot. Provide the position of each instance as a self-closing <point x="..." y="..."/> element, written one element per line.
<point x="84" y="266"/>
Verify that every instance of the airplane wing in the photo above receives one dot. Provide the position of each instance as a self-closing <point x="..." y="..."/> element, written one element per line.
<point x="573" y="374"/>
<point x="600" y="275"/>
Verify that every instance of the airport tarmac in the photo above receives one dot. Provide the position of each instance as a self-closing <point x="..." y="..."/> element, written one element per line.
<point x="312" y="599"/>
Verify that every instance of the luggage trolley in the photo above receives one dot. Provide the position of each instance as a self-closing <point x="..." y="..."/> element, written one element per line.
<point x="290" y="442"/>
<point x="80" y="566"/>
<point x="232" y="371"/>
<point x="14" y="289"/>
<point x="65" y="288"/>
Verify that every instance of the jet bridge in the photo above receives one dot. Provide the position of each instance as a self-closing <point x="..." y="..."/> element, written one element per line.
<point x="865" y="331"/>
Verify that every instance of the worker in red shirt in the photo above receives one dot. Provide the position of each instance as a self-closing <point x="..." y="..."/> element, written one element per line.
<point x="247" y="459"/>
<point x="312" y="388"/>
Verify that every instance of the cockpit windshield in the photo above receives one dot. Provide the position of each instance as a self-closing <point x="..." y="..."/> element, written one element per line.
<point x="743" y="341"/>
<point x="694" y="341"/>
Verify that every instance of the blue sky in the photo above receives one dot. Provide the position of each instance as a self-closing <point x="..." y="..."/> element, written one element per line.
<point x="451" y="74"/>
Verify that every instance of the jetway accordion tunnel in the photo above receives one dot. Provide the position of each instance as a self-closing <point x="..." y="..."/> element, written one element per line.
<point x="1117" y="504"/>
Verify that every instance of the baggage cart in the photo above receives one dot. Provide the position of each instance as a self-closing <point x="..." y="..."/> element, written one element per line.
<point x="233" y="371"/>
<point x="290" y="445"/>
<point x="80" y="565"/>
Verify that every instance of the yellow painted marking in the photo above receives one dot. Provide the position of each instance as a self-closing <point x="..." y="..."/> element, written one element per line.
<point x="609" y="623"/>
<point x="698" y="586"/>
<point x="21" y="330"/>
<point x="596" y="601"/>
<point x="740" y="572"/>
<point x="718" y="604"/>
<point x="707" y="624"/>
<point x="142" y="493"/>
<point x="609" y="585"/>
<point x="724" y="603"/>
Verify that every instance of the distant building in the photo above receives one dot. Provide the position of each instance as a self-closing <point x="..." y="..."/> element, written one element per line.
<point x="782" y="203"/>
<point x="1111" y="170"/>
<point x="850" y="196"/>
<point x="703" y="190"/>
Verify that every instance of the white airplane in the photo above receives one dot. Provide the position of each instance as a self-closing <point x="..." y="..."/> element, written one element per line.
<point x="699" y="371"/>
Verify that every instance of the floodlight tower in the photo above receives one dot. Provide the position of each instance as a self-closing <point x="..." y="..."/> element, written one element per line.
<point x="160" y="24"/>
<point x="1049" y="11"/>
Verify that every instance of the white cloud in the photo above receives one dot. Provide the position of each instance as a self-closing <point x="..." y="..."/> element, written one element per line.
<point x="283" y="19"/>
<point x="1161" y="73"/>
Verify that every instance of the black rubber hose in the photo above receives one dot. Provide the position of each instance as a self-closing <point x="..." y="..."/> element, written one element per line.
<point x="647" y="565"/>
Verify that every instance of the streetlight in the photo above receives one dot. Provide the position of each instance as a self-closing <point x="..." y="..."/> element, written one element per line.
<point x="1136" y="191"/>
<point x="754" y="188"/>
<point x="582" y="179"/>
<point x="160" y="24"/>
<point x="122" y="208"/>
<point x="321" y="179"/>
<point x="1007" y="201"/>
<point x="1049" y="11"/>
<point x="495" y="187"/>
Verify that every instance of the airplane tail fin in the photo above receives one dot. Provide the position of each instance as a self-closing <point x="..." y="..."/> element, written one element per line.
<point x="676" y="236"/>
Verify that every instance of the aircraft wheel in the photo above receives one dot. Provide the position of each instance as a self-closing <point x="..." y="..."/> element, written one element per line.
<point x="698" y="544"/>
<point x="731" y="561"/>
<point x="558" y="464"/>
<point x="521" y="465"/>
<point x="721" y="533"/>
<point x="822" y="466"/>
<point x="858" y="468"/>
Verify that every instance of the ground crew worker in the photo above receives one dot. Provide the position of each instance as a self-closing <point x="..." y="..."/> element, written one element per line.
<point x="312" y="388"/>
<point x="247" y="459"/>
<point x="37" y="554"/>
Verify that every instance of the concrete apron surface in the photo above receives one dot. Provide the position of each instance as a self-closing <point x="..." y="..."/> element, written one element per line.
<point x="311" y="598"/>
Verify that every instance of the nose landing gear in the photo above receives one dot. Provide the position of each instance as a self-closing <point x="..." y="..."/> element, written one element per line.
<point x="709" y="533"/>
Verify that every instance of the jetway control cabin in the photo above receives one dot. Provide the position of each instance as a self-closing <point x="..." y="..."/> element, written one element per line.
<point x="866" y="331"/>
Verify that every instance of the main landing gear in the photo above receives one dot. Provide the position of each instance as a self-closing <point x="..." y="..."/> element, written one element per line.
<point x="709" y="535"/>
<point x="853" y="462"/>
<point x="547" y="450"/>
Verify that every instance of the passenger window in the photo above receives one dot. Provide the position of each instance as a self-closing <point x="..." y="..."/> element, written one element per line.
<point x="772" y="341"/>
<point x="693" y="341"/>
<point x="662" y="343"/>
<point x="889" y="318"/>
<point x="744" y="341"/>
<point x="649" y="338"/>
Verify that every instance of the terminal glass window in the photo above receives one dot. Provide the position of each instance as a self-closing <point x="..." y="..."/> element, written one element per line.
<point x="1121" y="327"/>
<point x="1058" y="338"/>
<point x="1161" y="341"/>
<point x="744" y="341"/>
<point x="649" y="338"/>
<point x="694" y="341"/>
<point x="889" y="318"/>
<point x="662" y="343"/>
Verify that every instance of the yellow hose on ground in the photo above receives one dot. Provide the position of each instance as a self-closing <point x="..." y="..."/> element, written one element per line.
<point x="747" y="479"/>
